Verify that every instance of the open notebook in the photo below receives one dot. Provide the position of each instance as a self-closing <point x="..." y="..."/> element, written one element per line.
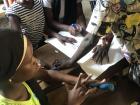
<point x="86" y="63"/>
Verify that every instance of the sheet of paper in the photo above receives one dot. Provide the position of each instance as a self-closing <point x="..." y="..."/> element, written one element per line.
<point x="68" y="49"/>
<point x="86" y="62"/>
<point x="90" y="67"/>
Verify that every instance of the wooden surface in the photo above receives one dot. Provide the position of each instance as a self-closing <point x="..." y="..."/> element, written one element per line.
<point x="125" y="94"/>
<point x="48" y="54"/>
<point x="126" y="91"/>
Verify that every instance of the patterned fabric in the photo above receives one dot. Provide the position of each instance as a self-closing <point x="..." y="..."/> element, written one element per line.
<point x="32" y="100"/>
<point x="32" y="20"/>
<point x="126" y="16"/>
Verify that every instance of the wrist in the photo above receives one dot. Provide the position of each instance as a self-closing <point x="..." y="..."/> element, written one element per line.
<point x="83" y="32"/>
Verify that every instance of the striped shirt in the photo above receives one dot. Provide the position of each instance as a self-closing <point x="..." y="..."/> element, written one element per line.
<point x="32" y="20"/>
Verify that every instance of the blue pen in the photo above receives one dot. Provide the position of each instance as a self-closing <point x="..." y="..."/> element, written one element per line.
<point x="74" y="25"/>
<point x="103" y="86"/>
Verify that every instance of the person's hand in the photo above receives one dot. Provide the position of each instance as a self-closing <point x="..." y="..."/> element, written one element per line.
<point x="74" y="29"/>
<point x="79" y="93"/>
<point x="64" y="39"/>
<point x="101" y="51"/>
<point x="62" y="64"/>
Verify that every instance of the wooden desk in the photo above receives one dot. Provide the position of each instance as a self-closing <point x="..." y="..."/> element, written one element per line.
<point x="48" y="54"/>
<point x="125" y="94"/>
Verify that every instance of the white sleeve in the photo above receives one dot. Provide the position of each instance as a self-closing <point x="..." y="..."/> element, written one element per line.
<point x="79" y="1"/>
<point x="98" y="14"/>
<point x="47" y="3"/>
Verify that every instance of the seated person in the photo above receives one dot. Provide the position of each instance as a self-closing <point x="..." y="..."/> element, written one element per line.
<point x="19" y="65"/>
<point x="28" y="17"/>
<point x="63" y="13"/>
<point x="126" y="31"/>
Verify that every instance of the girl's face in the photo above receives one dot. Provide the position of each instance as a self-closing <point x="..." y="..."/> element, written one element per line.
<point x="29" y="67"/>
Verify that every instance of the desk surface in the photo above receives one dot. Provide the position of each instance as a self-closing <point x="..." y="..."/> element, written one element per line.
<point x="126" y="92"/>
<point x="48" y="54"/>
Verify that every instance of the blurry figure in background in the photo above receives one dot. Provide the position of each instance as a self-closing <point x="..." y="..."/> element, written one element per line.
<point x="28" y="17"/>
<point x="66" y="15"/>
<point x="19" y="65"/>
<point x="7" y="3"/>
<point x="123" y="18"/>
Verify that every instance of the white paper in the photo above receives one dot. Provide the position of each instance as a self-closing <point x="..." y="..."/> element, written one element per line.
<point x="68" y="49"/>
<point x="90" y="67"/>
<point x="86" y="62"/>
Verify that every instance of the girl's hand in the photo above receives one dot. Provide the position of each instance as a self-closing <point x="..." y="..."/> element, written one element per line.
<point x="79" y="93"/>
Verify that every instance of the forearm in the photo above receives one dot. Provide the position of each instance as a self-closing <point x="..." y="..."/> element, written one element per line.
<point x="80" y="16"/>
<point x="52" y="75"/>
<point x="86" y="45"/>
<point x="59" y="27"/>
<point x="52" y="33"/>
<point x="81" y="21"/>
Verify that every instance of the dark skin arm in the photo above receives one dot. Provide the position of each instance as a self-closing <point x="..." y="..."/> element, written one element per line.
<point x="63" y="27"/>
<point x="56" y="76"/>
<point x="80" y="16"/>
<point x="86" y="45"/>
<point x="53" y="24"/>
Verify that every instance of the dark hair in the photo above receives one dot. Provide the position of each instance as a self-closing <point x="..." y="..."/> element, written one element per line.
<point x="11" y="45"/>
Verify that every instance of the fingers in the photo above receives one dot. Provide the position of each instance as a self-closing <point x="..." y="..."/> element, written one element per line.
<point x="91" y="91"/>
<point x="78" y="83"/>
<point x="102" y="81"/>
<point x="85" y="81"/>
<point x="72" y="30"/>
<point x="62" y="41"/>
<point x="71" y="40"/>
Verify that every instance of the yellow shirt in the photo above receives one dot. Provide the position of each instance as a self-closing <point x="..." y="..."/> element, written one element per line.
<point x="32" y="101"/>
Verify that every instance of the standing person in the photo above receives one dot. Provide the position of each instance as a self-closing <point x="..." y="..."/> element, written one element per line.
<point x="28" y="17"/>
<point x="19" y="65"/>
<point x="66" y="15"/>
<point x="124" y="19"/>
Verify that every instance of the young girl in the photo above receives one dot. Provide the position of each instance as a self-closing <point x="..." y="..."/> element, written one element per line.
<point x="17" y="65"/>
